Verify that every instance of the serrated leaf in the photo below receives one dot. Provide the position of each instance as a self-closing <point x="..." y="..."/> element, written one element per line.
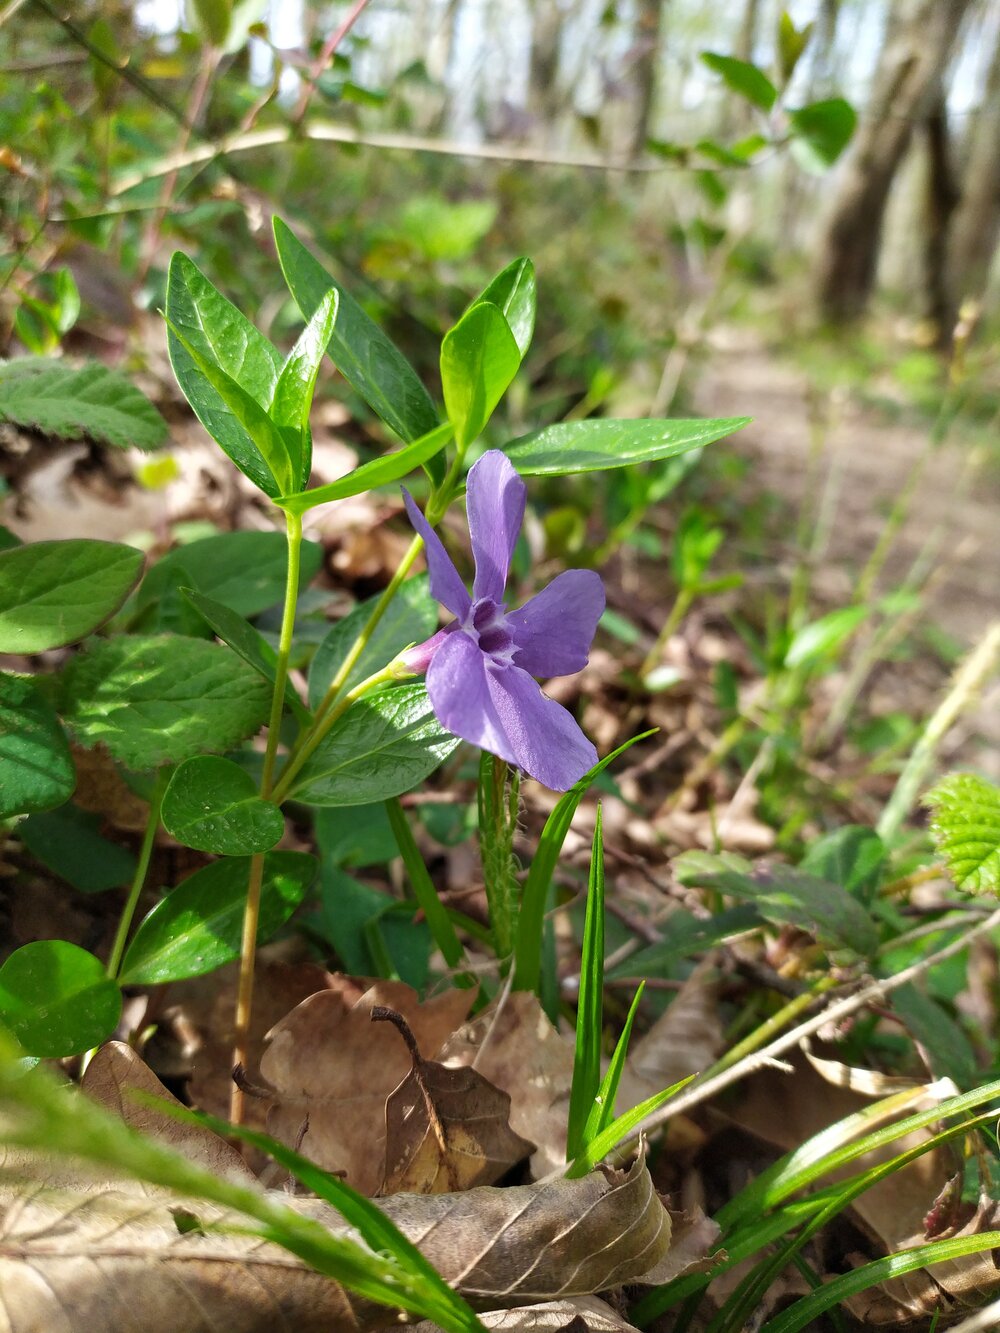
<point x="599" y="443"/>
<point x="57" y="999"/>
<point x="160" y="699"/>
<point x="245" y="571"/>
<point x="54" y="593"/>
<point x="743" y="78"/>
<point x="36" y="768"/>
<point x="479" y="358"/>
<point x="382" y="746"/>
<point x="410" y="617"/>
<point x="965" y="826"/>
<point x="514" y="292"/>
<point x="71" y="403"/>
<point x="213" y="805"/>
<point x="367" y="359"/>
<point x="197" y="927"/>
<point x="68" y="841"/>
<point x="293" y="393"/>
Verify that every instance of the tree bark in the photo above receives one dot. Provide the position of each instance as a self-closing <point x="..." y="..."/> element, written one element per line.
<point x="649" y="28"/>
<point x="940" y="200"/>
<point x="916" y="50"/>
<point x="976" y="225"/>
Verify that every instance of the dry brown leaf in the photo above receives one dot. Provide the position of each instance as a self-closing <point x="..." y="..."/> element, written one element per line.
<point x="446" y="1129"/>
<point x="686" y="1039"/>
<point x="514" y="1045"/>
<point x="593" y="1314"/>
<point x="332" y="1069"/>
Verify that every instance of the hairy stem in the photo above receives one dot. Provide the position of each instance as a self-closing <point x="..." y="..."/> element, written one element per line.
<point x="139" y="879"/>
<point x="251" y="913"/>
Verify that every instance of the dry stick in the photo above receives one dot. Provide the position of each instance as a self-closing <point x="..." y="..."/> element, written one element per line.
<point x="323" y="59"/>
<point x="969" y="680"/>
<point x="840" y="1009"/>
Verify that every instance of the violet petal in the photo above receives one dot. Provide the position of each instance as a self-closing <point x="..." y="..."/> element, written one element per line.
<point x="446" y="582"/>
<point x="544" y="738"/>
<point x="494" y="500"/>
<point x="459" y="694"/>
<point x="554" y="630"/>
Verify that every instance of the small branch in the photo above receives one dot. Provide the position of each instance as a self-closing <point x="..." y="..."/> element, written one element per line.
<point x="382" y="1014"/>
<point x="324" y="58"/>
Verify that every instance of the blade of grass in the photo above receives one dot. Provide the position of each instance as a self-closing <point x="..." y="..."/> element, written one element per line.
<point x="441" y="928"/>
<point x="621" y="1129"/>
<point x="602" y="1113"/>
<point x="590" y="1006"/>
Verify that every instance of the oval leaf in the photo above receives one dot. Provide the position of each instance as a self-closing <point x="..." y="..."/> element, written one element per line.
<point x="198" y="926"/>
<point x="479" y="358"/>
<point x="824" y="636"/>
<point x="36" y="769"/>
<point x="382" y="746"/>
<point x="513" y="292"/>
<point x="70" y="403"/>
<point x="598" y="443"/>
<point x="212" y="804"/>
<point x="57" y="999"/>
<point x="69" y="842"/>
<point x="160" y="699"/>
<point x="743" y="78"/>
<point x="54" y="593"/>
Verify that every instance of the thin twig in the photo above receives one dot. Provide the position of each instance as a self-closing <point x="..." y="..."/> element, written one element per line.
<point x="323" y="59"/>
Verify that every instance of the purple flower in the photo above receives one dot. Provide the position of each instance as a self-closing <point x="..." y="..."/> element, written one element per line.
<point x="480" y="668"/>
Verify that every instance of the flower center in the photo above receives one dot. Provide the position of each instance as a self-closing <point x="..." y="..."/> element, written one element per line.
<point x="487" y="626"/>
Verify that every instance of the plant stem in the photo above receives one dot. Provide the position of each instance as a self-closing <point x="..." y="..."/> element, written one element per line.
<point x="139" y="879"/>
<point x="678" y="611"/>
<point x="251" y="913"/>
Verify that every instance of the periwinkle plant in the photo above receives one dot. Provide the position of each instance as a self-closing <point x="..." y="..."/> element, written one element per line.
<point x="177" y="687"/>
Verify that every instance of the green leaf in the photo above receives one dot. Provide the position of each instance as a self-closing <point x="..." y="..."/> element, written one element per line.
<point x="197" y="927"/>
<point x="368" y="360"/>
<point x="57" y="999"/>
<point x="852" y="856"/>
<point x="54" y="593"/>
<point x="36" y="769"/>
<point x="245" y="571"/>
<point x="687" y="935"/>
<point x="743" y="78"/>
<point x="530" y="921"/>
<point x="514" y="292"/>
<point x="792" y="42"/>
<point x="69" y="842"/>
<point x="590" y="1005"/>
<point x="613" y="1134"/>
<point x="823" y="130"/>
<point x="434" y="911"/>
<point x="599" y="442"/>
<point x="787" y="897"/>
<point x="439" y="228"/>
<point x="410" y="617"/>
<point x="965" y="826"/>
<point x="821" y="638"/>
<point x="293" y="394"/>
<point x="602" y="1111"/>
<point x="227" y="370"/>
<point x="946" y="1047"/>
<point x="377" y="472"/>
<point x="382" y="746"/>
<point x="212" y="804"/>
<point x="160" y="699"/>
<point x="349" y="914"/>
<point x="479" y="358"/>
<point x="247" y="643"/>
<point x="212" y="19"/>
<point x="357" y="836"/>
<point x="71" y="403"/>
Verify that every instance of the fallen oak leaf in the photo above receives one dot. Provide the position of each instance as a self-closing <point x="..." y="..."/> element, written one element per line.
<point x="446" y="1129"/>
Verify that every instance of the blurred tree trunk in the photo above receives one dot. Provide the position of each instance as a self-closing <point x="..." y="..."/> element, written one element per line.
<point x="941" y="197"/>
<point x="976" y="226"/>
<point x="649" y="29"/>
<point x="918" y="43"/>
<point x="543" y="67"/>
<point x="746" y="38"/>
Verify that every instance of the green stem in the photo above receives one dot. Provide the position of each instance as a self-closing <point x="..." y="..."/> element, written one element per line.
<point x="139" y="880"/>
<point x="770" y="1027"/>
<point x="678" y="611"/>
<point x="251" y="913"/>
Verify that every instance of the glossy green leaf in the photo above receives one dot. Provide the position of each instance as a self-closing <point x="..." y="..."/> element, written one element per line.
<point x="965" y="826"/>
<point x="206" y="330"/>
<point x="160" y="699"/>
<point x="247" y="643"/>
<point x="378" y="472"/>
<point x="245" y="571"/>
<point x="68" y="841"/>
<point x="599" y="442"/>
<point x="821" y="638"/>
<point x="743" y="78"/>
<point x="786" y="896"/>
<point x="74" y="403"/>
<point x="823" y="129"/>
<point x="367" y="359"/>
<point x="852" y="856"/>
<point x="293" y="393"/>
<point x="212" y="804"/>
<point x="36" y="768"/>
<point x="382" y="746"/>
<point x="410" y="617"/>
<point x="54" y="593"/>
<point x="57" y="999"/>
<point x="197" y="927"/>
<point x="602" y="1110"/>
<point x="479" y="358"/>
<point x="514" y="292"/>
<point x="359" y="835"/>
